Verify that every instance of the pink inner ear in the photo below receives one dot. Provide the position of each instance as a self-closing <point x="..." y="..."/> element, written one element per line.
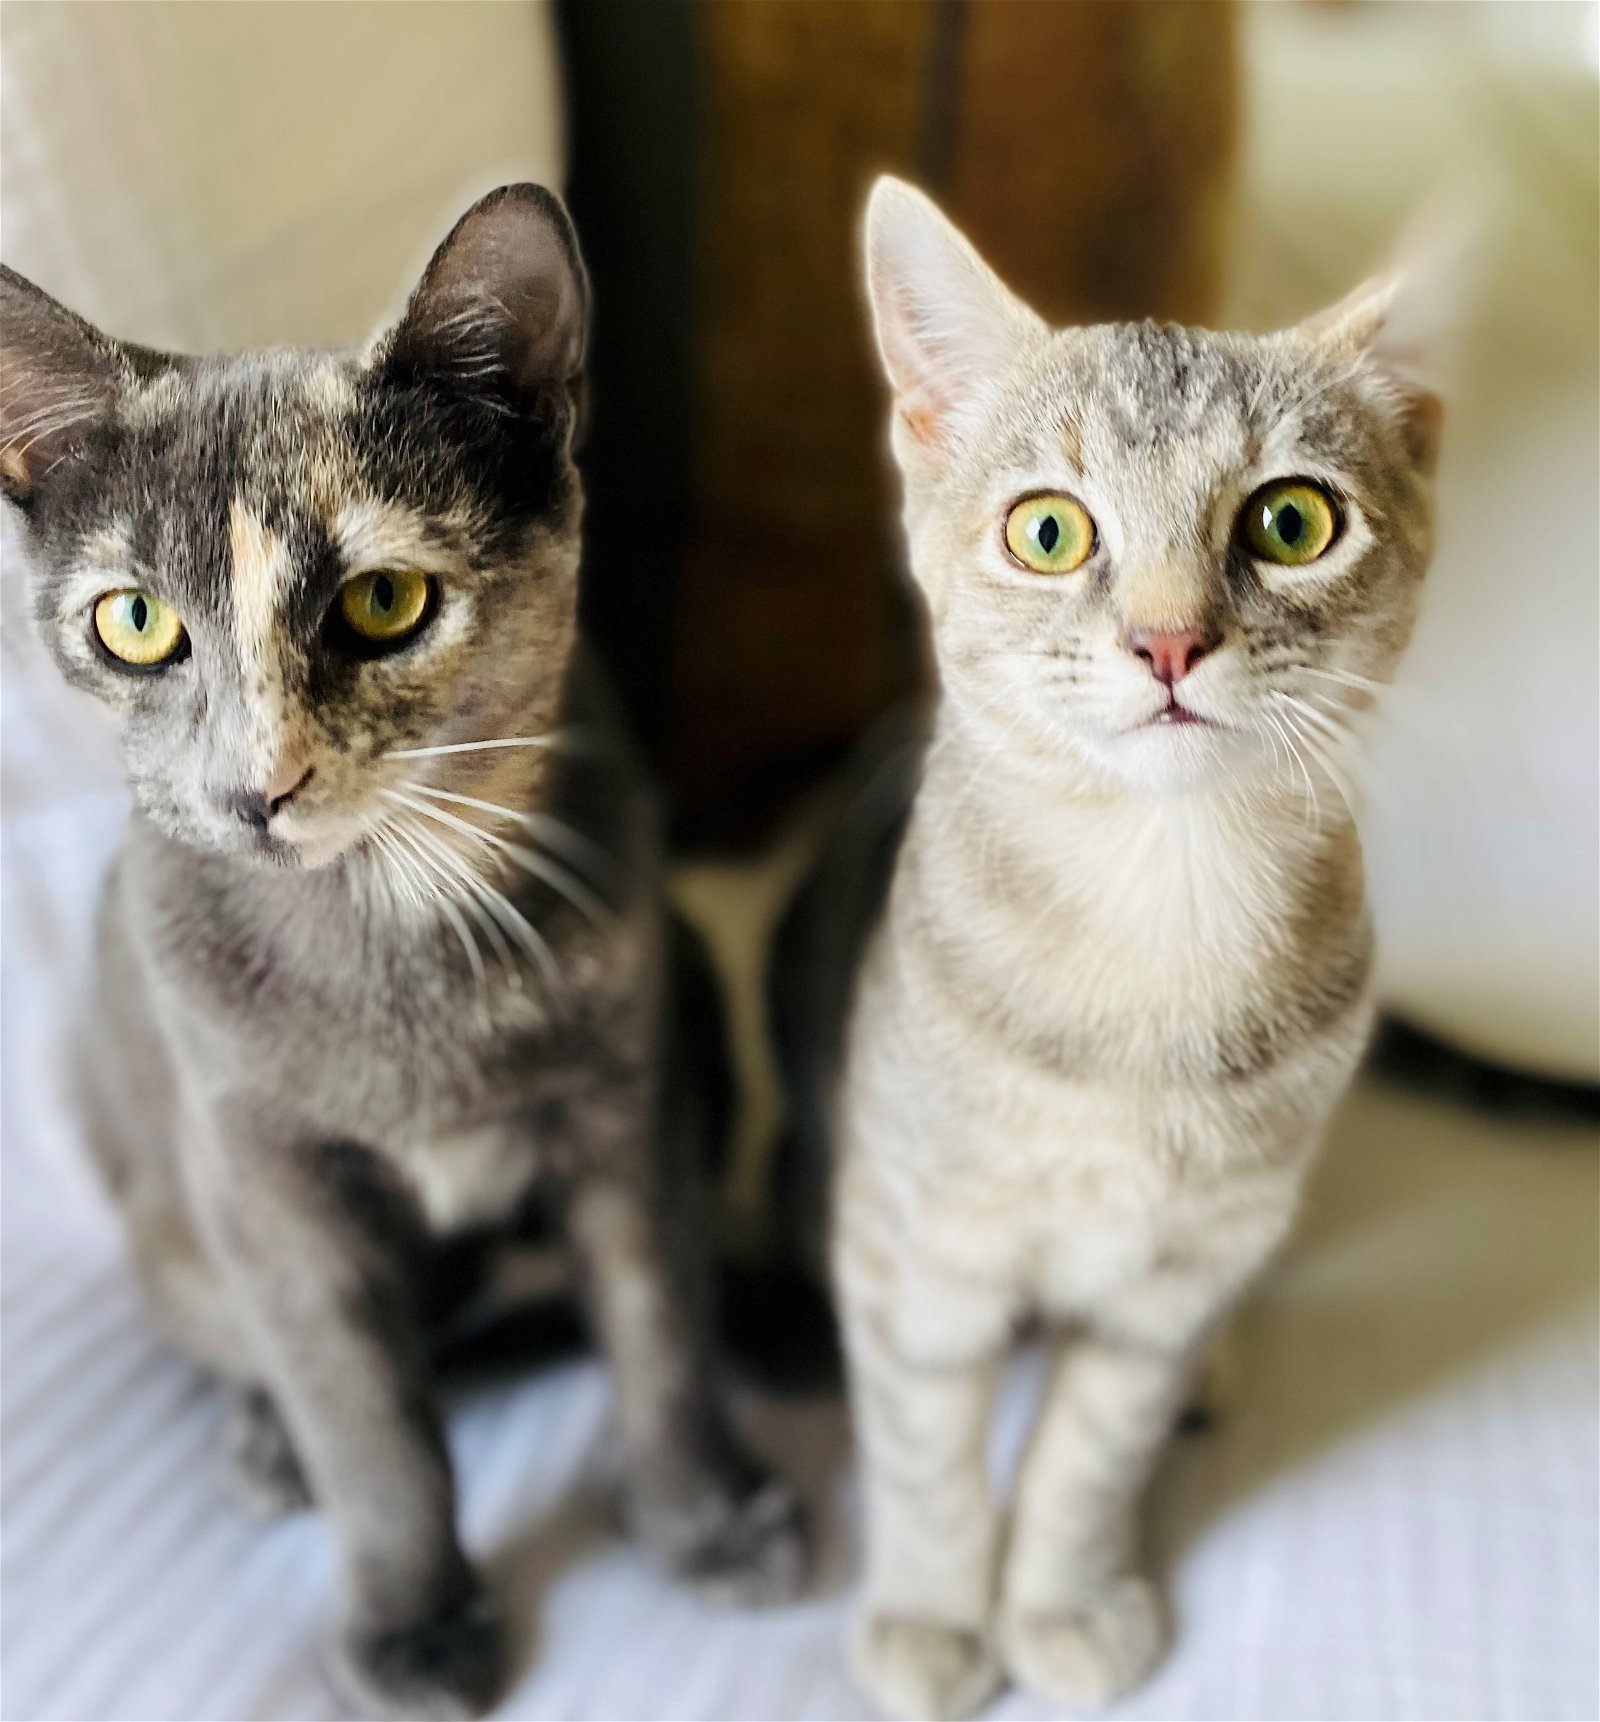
<point x="1423" y="423"/>
<point x="921" y="422"/>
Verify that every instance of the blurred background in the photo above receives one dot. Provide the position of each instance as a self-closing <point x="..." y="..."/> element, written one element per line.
<point x="208" y="175"/>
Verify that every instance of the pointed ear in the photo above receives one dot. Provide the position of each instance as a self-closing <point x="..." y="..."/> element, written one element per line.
<point x="59" y="377"/>
<point x="501" y="312"/>
<point x="1408" y="319"/>
<point x="945" y="322"/>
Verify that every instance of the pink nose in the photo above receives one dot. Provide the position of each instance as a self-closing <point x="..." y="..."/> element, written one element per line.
<point x="1171" y="655"/>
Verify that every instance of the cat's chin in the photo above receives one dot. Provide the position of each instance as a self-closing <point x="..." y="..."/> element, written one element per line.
<point x="1172" y="757"/>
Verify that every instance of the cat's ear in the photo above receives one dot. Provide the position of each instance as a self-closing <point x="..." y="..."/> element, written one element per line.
<point x="946" y="324"/>
<point x="502" y="310"/>
<point x="1408" y="320"/>
<point x="59" y="378"/>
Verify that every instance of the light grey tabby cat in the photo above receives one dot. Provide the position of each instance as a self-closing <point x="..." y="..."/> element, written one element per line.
<point x="359" y="994"/>
<point x="1120" y="977"/>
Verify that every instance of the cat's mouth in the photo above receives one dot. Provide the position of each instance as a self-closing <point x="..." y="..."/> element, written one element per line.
<point x="1175" y="712"/>
<point x="307" y="846"/>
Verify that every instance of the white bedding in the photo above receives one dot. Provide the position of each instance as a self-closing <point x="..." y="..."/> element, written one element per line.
<point x="1400" y="1520"/>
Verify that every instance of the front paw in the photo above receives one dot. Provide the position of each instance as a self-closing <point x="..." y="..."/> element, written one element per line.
<point x="748" y="1550"/>
<point x="915" y="1668"/>
<point x="1088" y="1652"/>
<point x="443" y="1669"/>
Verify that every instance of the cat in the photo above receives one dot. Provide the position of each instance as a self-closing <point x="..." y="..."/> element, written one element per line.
<point x="382" y="959"/>
<point x="1087" y="969"/>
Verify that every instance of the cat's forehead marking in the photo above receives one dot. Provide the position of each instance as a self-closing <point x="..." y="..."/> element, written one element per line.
<point x="372" y="532"/>
<point x="262" y="571"/>
<point x="1160" y="382"/>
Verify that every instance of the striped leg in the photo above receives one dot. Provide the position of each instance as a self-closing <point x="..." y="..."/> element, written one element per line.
<point x="921" y="1644"/>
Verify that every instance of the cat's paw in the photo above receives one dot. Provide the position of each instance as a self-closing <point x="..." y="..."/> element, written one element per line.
<point x="1089" y="1652"/>
<point x="444" y="1669"/>
<point x="749" y="1550"/>
<point x="266" y="1469"/>
<point x="922" y="1670"/>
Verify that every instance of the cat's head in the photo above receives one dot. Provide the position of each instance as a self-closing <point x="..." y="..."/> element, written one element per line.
<point x="280" y="568"/>
<point x="1165" y="555"/>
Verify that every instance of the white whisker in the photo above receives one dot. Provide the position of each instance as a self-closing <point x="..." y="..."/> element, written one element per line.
<point x="1337" y="732"/>
<point x="539" y="866"/>
<point x="395" y="869"/>
<point x="452" y="914"/>
<point x="554" y="832"/>
<point x="453" y="868"/>
<point x="549" y="741"/>
<point x="1363" y="684"/>
<point x="1322" y="745"/>
<point x="1313" y="803"/>
<point x="499" y="905"/>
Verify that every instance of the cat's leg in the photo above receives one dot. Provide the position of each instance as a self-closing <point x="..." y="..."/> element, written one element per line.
<point x="189" y="1306"/>
<point x="695" y="1496"/>
<point x="1080" y="1620"/>
<point x="922" y="1392"/>
<point x="317" y="1249"/>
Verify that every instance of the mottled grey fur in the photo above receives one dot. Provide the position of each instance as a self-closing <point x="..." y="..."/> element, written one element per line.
<point x="353" y="1006"/>
<point x="1114" y="970"/>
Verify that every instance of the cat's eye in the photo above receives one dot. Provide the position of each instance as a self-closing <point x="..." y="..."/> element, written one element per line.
<point x="138" y="629"/>
<point x="1050" y="534"/>
<point x="385" y="608"/>
<point x="1290" y="523"/>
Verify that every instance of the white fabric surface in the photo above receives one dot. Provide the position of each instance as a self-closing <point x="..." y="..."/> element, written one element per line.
<point x="1400" y="1519"/>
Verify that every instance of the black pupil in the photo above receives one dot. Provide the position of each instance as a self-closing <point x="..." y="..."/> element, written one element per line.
<point x="139" y="614"/>
<point x="1291" y="523"/>
<point x="1049" y="533"/>
<point x="383" y="592"/>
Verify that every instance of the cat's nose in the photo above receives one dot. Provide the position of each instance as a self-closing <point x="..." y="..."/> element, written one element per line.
<point x="257" y="806"/>
<point x="1172" y="653"/>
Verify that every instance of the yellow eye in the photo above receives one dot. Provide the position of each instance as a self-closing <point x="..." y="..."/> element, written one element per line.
<point x="385" y="607"/>
<point x="1291" y="524"/>
<point x="1050" y="534"/>
<point x="139" y="629"/>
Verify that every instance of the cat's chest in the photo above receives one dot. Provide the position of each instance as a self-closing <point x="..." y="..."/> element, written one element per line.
<point x="1162" y="944"/>
<point x="398" y="1041"/>
<point x="470" y="1175"/>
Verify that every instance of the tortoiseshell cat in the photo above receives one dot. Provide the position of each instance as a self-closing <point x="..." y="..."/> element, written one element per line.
<point x="1112" y="969"/>
<point x="357" y="992"/>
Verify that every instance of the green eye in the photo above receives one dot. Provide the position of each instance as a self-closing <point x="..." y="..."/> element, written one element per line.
<point x="385" y="607"/>
<point x="138" y="629"/>
<point x="1050" y="534"/>
<point x="1291" y="524"/>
